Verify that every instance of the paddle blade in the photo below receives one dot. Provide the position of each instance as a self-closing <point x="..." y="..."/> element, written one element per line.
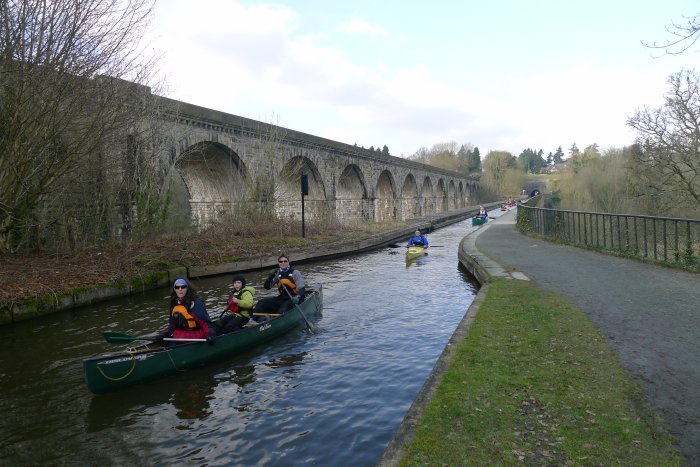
<point x="121" y="338"/>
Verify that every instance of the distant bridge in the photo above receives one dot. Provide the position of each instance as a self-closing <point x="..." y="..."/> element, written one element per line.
<point x="219" y="163"/>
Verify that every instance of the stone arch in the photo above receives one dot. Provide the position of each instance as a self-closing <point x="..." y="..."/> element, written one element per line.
<point x="385" y="197"/>
<point x="460" y="195"/>
<point x="428" y="195"/>
<point x="288" y="190"/>
<point x="410" y="204"/>
<point x="351" y="202"/>
<point x="209" y="180"/>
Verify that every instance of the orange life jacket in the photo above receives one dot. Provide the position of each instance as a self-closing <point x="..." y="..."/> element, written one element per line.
<point x="189" y="318"/>
<point x="286" y="279"/>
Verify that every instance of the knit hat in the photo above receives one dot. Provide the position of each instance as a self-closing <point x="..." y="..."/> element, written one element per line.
<point x="238" y="277"/>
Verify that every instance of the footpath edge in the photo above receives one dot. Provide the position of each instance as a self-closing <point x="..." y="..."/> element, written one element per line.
<point x="484" y="269"/>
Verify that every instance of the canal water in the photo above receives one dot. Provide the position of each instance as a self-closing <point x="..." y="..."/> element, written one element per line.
<point x="330" y="398"/>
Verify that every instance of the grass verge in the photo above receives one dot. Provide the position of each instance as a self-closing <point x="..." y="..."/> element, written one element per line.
<point x="536" y="383"/>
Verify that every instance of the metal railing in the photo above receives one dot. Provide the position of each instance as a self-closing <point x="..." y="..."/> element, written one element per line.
<point x="664" y="240"/>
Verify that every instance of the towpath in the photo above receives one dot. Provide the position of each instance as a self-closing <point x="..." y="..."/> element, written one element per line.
<point x="650" y="314"/>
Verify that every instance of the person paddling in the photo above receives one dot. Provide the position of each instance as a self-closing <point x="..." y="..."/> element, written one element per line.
<point x="418" y="240"/>
<point x="290" y="284"/>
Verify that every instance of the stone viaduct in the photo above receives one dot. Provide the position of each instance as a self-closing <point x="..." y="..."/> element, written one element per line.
<point x="221" y="163"/>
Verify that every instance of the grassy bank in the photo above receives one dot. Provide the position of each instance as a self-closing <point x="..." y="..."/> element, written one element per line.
<point x="536" y="383"/>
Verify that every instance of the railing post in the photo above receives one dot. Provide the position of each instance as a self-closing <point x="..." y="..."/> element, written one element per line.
<point x="605" y="234"/>
<point x="646" y="242"/>
<point x="677" y="254"/>
<point x="653" y="223"/>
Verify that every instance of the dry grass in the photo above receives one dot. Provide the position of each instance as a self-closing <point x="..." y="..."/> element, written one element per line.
<point x="29" y="275"/>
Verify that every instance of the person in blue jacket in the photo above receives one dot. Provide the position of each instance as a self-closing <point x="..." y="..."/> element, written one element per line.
<point x="418" y="240"/>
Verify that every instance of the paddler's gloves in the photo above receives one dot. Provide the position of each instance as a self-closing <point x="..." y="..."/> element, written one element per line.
<point x="295" y="300"/>
<point x="159" y="338"/>
<point x="271" y="280"/>
<point x="211" y="340"/>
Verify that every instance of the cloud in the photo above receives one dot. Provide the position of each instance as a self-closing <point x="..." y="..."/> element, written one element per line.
<point x="259" y="61"/>
<point x="362" y="27"/>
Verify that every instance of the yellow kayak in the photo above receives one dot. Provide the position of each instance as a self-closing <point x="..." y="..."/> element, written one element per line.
<point x="413" y="252"/>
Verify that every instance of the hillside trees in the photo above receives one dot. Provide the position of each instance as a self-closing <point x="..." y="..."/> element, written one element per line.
<point x="64" y="100"/>
<point x="578" y="160"/>
<point x="531" y="161"/>
<point x="470" y="158"/>
<point x="668" y="163"/>
<point x="600" y="183"/>
<point x="502" y="177"/>
<point x="448" y="156"/>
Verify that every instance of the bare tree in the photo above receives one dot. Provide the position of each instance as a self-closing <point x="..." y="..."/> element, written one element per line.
<point x="64" y="97"/>
<point x="685" y="35"/>
<point x="668" y="162"/>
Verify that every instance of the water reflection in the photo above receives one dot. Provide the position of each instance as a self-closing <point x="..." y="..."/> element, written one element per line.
<point x="193" y="402"/>
<point x="287" y="361"/>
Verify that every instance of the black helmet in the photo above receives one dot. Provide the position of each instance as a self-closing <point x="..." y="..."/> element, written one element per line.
<point x="238" y="277"/>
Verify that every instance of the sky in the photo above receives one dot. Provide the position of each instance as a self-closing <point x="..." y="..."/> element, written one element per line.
<point x="499" y="75"/>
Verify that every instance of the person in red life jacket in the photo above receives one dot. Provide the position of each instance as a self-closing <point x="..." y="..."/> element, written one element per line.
<point x="290" y="284"/>
<point x="418" y="240"/>
<point x="188" y="317"/>
<point x="238" y="307"/>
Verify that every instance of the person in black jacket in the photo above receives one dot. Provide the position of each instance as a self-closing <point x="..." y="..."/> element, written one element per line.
<point x="290" y="284"/>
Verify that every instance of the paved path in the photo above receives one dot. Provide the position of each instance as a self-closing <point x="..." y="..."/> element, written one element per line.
<point x="650" y="315"/>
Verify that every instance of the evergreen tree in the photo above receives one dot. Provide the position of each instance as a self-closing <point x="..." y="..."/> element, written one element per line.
<point x="385" y="150"/>
<point x="574" y="150"/>
<point x="531" y="161"/>
<point x="558" y="156"/>
<point x="475" y="161"/>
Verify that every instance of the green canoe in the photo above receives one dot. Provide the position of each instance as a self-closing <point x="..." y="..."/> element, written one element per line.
<point x="106" y="373"/>
<point x="479" y="220"/>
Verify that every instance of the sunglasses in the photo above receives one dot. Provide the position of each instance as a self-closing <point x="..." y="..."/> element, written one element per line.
<point x="180" y="287"/>
<point x="284" y="261"/>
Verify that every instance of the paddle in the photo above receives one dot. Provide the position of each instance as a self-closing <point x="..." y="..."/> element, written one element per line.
<point x="311" y="327"/>
<point x="121" y="338"/>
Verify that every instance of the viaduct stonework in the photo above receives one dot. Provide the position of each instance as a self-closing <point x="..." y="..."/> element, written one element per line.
<point x="219" y="163"/>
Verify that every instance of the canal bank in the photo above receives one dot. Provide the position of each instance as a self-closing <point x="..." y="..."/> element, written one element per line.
<point x="23" y="308"/>
<point x="565" y="381"/>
